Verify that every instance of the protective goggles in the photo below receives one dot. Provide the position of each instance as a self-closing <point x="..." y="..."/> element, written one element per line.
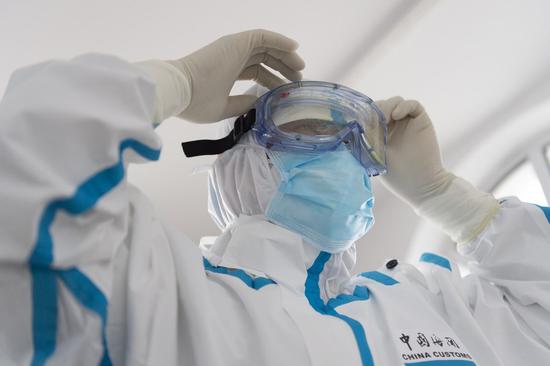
<point x="310" y="116"/>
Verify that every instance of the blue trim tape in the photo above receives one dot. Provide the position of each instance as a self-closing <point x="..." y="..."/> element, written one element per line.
<point x="91" y="298"/>
<point x="255" y="283"/>
<point x="44" y="286"/>
<point x="380" y="278"/>
<point x="313" y="295"/>
<point x="360" y="293"/>
<point x="546" y="211"/>
<point x="436" y="259"/>
<point x="442" y="363"/>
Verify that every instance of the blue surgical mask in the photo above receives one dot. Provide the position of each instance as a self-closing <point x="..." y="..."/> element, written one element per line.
<point x="326" y="198"/>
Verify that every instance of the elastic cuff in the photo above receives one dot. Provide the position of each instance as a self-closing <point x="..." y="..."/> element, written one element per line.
<point x="173" y="89"/>
<point x="460" y="210"/>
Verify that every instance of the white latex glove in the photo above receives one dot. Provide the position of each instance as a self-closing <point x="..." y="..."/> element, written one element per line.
<point x="415" y="168"/>
<point x="416" y="174"/>
<point x="196" y="87"/>
<point x="213" y="70"/>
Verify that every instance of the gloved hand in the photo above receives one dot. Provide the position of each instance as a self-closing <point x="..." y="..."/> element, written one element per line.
<point x="196" y="87"/>
<point x="213" y="70"/>
<point x="415" y="169"/>
<point x="416" y="174"/>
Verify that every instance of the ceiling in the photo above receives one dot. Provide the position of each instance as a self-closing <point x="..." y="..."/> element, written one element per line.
<point x="471" y="63"/>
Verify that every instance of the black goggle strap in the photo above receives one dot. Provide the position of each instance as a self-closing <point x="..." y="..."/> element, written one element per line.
<point x="242" y="125"/>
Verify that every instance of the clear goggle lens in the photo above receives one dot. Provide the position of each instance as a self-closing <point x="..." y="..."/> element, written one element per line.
<point x="318" y="116"/>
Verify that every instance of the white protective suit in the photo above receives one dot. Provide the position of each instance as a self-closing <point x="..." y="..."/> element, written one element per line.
<point x="88" y="275"/>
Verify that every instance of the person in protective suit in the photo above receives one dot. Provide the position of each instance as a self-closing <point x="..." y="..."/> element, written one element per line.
<point x="89" y="275"/>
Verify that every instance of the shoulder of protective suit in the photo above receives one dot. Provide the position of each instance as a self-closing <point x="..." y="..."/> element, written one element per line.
<point x="395" y="271"/>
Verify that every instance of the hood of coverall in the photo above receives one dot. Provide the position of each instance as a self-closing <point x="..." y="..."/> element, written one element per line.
<point x="242" y="181"/>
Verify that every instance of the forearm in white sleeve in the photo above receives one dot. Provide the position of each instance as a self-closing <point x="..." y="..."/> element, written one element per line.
<point x="512" y="253"/>
<point x="67" y="131"/>
<point x="173" y="88"/>
<point x="459" y="209"/>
